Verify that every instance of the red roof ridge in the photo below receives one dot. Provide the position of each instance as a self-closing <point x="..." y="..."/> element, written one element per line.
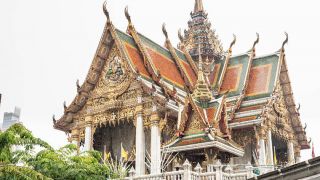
<point x="252" y="53"/>
<point x="226" y="64"/>
<point x="184" y="75"/>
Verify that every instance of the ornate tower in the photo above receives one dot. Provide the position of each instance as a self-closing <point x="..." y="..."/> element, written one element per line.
<point x="200" y="34"/>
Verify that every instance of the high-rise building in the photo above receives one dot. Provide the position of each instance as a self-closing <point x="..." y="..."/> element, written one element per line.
<point x="11" y="118"/>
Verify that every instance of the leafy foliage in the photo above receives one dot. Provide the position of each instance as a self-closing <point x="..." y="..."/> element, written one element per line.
<point x="18" y="136"/>
<point x="66" y="164"/>
<point x="62" y="164"/>
<point x="13" y="172"/>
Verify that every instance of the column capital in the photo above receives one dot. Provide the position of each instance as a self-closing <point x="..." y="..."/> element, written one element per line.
<point x="154" y="119"/>
<point x="262" y="133"/>
<point x="139" y="110"/>
<point x="88" y="120"/>
<point x="74" y="134"/>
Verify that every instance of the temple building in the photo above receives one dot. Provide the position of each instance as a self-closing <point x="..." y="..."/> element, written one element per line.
<point x="195" y="101"/>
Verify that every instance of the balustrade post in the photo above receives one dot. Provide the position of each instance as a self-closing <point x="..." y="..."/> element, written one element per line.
<point x="198" y="170"/>
<point x="249" y="170"/>
<point x="228" y="169"/>
<point x="186" y="170"/>
<point x="132" y="173"/>
<point x="218" y="169"/>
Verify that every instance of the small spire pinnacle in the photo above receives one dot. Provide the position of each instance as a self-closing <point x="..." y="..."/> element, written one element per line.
<point x="198" y="7"/>
<point x="202" y="91"/>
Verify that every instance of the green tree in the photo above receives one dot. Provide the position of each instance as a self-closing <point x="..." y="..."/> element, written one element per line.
<point x="18" y="136"/>
<point x="62" y="164"/>
<point x="66" y="164"/>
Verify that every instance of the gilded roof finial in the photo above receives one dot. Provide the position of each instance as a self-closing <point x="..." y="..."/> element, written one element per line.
<point x="286" y="40"/>
<point x="202" y="92"/>
<point x="256" y="41"/>
<point x="180" y="36"/>
<point x="233" y="42"/>
<point x="198" y="7"/>
<point x="164" y="30"/>
<point x="65" y="105"/>
<point x="105" y="10"/>
<point x="126" y="12"/>
<point x="54" y="120"/>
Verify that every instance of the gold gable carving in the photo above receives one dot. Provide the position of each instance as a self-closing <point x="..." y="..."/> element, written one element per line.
<point x="277" y="116"/>
<point x="114" y="98"/>
<point x="195" y="124"/>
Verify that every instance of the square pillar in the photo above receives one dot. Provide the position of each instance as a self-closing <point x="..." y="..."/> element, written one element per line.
<point x="140" y="139"/>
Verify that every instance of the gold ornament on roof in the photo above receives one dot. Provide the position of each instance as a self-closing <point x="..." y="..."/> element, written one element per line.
<point x="202" y="92"/>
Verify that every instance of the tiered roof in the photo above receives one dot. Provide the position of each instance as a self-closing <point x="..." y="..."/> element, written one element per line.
<point x="241" y="86"/>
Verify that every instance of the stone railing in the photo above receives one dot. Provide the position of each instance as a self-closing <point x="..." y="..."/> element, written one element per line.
<point x="214" y="172"/>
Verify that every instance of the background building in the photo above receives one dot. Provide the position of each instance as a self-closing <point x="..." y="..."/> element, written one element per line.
<point x="11" y="118"/>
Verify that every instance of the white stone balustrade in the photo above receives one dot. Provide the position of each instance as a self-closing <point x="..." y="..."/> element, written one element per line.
<point x="214" y="172"/>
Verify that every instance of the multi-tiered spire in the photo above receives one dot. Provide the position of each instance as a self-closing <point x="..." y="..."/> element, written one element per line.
<point x="199" y="33"/>
<point x="202" y="92"/>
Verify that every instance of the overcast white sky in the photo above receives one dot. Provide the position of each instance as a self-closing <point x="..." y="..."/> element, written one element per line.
<point x="46" y="45"/>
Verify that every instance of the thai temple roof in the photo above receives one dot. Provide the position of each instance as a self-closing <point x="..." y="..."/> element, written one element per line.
<point x="210" y="81"/>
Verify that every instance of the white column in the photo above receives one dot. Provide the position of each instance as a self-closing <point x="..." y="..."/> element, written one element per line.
<point x="262" y="152"/>
<point x="270" y="148"/>
<point x="74" y="136"/>
<point x="75" y="142"/>
<point x="298" y="159"/>
<point x="87" y="140"/>
<point x="290" y="153"/>
<point x="179" y="114"/>
<point x="88" y="134"/>
<point x="140" y="140"/>
<point x="155" y="142"/>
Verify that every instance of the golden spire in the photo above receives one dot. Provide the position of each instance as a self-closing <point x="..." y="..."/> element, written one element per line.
<point x="198" y="6"/>
<point x="202" y="92"/>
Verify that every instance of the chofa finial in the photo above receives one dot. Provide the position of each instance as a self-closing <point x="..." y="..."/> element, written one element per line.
<point x="126" y="12"/>
<point x="180" y="36"/>
<point x="54" y="119"/>
<point x="286" y="40"/>
<point x="256" y="41"/>
<point x="78" y="85"/>
<point x="233" y="42"/>
<point x="164" y="30"/>
<point x="105" y="10"/>
<point x="65" y="105"/>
